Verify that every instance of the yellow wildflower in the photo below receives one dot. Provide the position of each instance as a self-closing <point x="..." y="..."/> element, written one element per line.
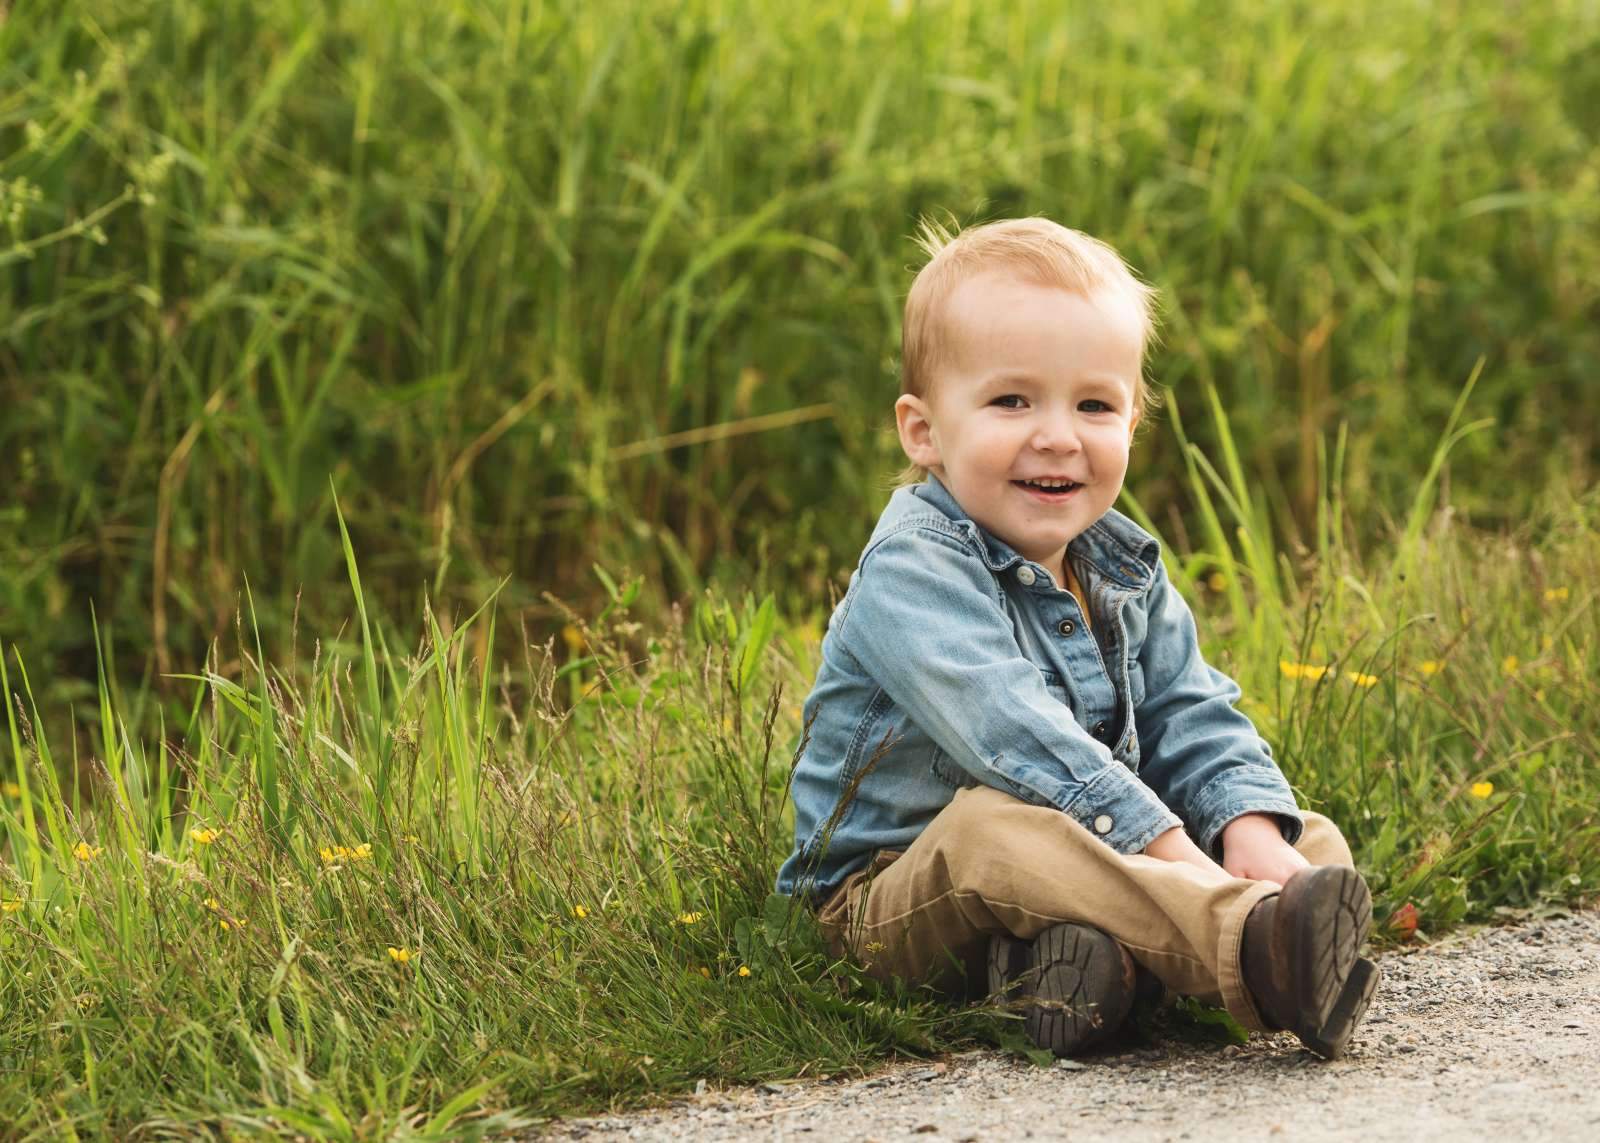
<point x="1216" y="581"/>
<point x="401" y="955"/>
<point x="83" y="851"/>
<point x="1362" y="680"/>
<point x="332" y="854"/>
<point x="1510" y="664"/>
<point x="10" y="905"/>
<point x="876" y="946"/>
<point x="213" y="904"/>
<point x="1482" y="789"/>
<point x="12" y="790"/>
<point x="573" y="638"/>
<point x="744" y="970"/>
<point x="1312" y="671"/>
<point x="689" y="918"/>
<point x="228" y="924"/>
<point x="704" y="971"/>
<point x="1556" y="594"/>
<point x="205" y="836"/>
<point x="579" y="912"/>
<point x="1431" y="666"/>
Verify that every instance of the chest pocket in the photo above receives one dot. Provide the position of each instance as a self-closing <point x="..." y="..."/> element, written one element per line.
<point x="948" y="771"/>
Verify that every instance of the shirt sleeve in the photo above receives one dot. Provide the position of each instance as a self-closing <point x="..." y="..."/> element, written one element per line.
<point x="1202" y="756"/>
<point x="927" y="623"/>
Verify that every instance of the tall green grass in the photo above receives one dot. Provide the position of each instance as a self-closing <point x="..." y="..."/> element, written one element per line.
<point x="378" y="892"/>
<point x="541" y="284"/>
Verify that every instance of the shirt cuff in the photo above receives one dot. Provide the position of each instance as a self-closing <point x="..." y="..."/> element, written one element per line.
<point x="1121" y="810"/>
<point x="1243" y="792"/>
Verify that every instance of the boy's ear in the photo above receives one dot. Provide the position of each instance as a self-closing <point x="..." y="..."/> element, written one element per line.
<point x="913" y="419"/>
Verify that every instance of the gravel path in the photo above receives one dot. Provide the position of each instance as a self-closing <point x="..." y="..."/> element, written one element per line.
<point x="1493" y="1034"/>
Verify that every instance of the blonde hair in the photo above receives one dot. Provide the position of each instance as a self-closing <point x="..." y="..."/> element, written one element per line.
<point x="1036" y="250"/>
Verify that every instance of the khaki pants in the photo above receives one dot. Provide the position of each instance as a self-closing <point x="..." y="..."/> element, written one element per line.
<point x="989" y="863"/>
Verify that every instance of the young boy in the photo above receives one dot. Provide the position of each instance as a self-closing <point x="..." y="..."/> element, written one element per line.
<point x="1021" y="777"/>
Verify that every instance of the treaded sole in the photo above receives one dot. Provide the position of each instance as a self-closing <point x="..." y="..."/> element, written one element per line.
<point x="1331" y="1040"/>
<point x="1328" y="911"/>
<point x="1080" y="987"/>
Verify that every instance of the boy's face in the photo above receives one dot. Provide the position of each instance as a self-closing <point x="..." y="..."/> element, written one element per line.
<point x="1035" y="383"/>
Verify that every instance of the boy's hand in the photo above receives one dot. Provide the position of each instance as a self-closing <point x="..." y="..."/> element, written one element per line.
<point x="1253" y="847"/>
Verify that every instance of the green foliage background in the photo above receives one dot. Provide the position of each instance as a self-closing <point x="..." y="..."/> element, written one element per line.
<point x="474" y="260"/>
<point x="589" y="314"/>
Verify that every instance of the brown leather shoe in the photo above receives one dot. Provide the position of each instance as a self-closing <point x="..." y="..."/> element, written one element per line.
<point x="1301" y="958"/>
<point x="1074" y="984"/>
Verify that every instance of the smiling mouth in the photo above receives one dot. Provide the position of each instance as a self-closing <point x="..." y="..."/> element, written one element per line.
<point x="1048" y="488"/>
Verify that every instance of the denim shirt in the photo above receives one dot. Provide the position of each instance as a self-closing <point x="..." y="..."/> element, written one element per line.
<point x="953" y="661"/>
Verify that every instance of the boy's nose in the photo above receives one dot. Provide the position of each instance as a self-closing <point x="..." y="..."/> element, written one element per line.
<point x="1056" y="434"/>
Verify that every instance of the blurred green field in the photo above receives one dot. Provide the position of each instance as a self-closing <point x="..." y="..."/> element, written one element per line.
<point x="545" y="284"/>
<point x="430" y="435"/>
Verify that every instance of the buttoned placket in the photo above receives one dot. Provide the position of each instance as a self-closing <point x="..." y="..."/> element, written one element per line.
<point x="1092" y="682"/>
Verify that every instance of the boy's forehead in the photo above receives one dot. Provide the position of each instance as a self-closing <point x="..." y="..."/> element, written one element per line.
<point x="999" y="310"/>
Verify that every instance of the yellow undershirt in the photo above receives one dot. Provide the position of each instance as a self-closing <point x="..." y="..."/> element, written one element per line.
<point x="1076" y="589"/>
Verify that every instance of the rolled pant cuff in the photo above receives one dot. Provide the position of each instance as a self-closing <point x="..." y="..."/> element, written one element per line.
<point x="1236" y="997"/>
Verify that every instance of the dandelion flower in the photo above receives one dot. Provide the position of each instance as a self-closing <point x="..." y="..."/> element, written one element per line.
<point x="1431" y="667"/>
<point x="213" y="904"/>
<point x="83" y="851"/>
<point x="876" y="946"/>
<point x="236" y="922"/>
<point x="1482" y="789"/>
<point x="205" y="836"/>
<point x="10" y="905"/>
<point x="689" y="918"/>
<point x="1557" y="594"/>
<point x="744" y="970"/>
<point x="1362" y="680"/>
<point x="12" y="790"/>
<point x="579" y="912"/>
<point x="401" y="955"/>
<point x="1312" y="671"/>
<point x="333" y="854"/>
<point x="1216" y="581"/>
<point x="1510" y="664"/>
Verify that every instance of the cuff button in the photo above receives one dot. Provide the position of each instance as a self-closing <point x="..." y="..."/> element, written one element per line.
<point x="1102" y="824"/>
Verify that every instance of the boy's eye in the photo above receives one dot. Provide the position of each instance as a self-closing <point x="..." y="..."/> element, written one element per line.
<point x="1009" y="401"/>
<point x="1094" y="406"/>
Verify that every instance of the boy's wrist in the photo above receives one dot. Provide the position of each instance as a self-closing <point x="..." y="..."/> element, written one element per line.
<point x="1253" y="826"/>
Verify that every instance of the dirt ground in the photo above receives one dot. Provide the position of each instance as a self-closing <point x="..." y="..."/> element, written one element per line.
<point x="1487" y="1036"/>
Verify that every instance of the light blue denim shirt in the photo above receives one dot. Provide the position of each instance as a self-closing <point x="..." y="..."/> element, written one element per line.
<point x="952" y="661"/>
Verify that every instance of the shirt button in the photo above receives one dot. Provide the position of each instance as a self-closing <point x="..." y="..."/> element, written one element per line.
<point x="1100" y="732"/>
<point x="1066" y="627"/>
<point x="1025" y="576"/>
<point x="1102" y="824"/>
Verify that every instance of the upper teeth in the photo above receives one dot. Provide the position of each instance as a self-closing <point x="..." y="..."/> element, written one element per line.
<point x="1051" y="483"/>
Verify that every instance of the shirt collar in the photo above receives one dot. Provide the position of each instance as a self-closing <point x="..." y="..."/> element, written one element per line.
<point x="1114" y="545"/>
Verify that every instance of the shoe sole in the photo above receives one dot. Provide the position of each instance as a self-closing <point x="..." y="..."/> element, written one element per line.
<point x="1331" y="1040"/>
<point x="1073" y="984"/>
<point x="1326" y="912"/>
